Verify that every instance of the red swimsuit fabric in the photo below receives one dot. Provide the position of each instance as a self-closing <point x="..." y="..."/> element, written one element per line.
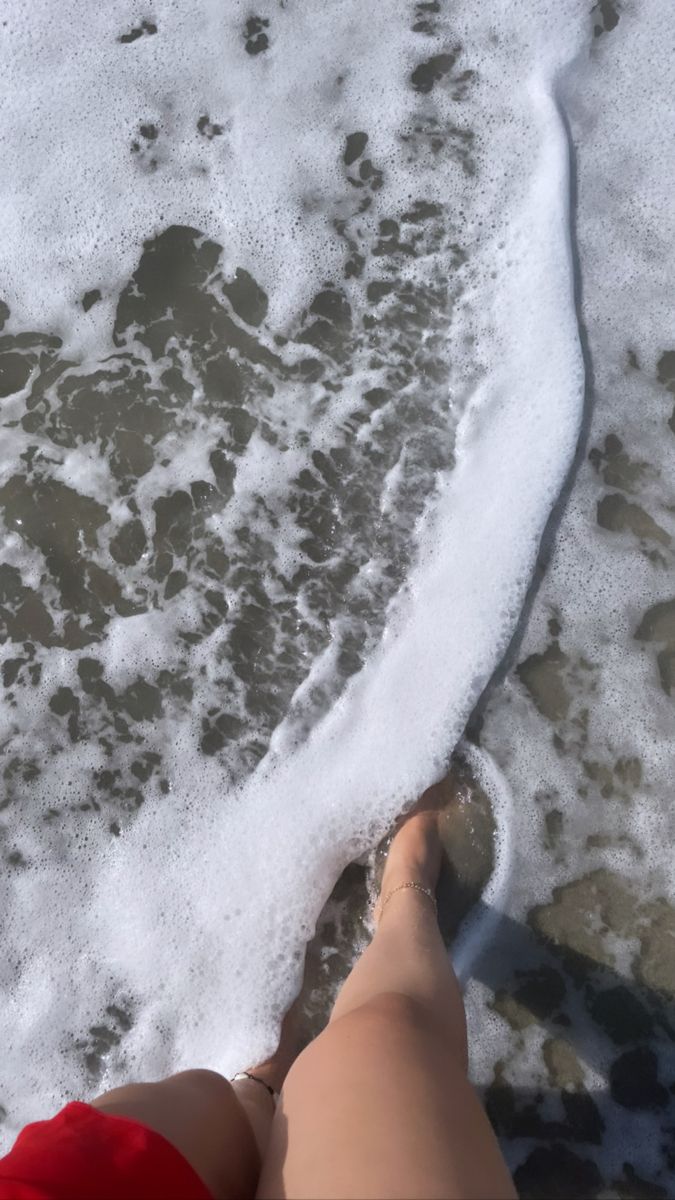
<point x="85" y="1154"/>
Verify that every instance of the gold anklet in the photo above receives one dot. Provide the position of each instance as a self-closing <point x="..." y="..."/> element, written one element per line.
<point x="417" y="887"/>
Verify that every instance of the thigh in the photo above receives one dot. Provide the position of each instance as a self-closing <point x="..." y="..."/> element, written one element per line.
<point x="379" y="1105"/>
<point x="198" y="1112"/>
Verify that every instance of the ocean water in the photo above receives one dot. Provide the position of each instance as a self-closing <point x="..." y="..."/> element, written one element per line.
<point x="317" y="319"/>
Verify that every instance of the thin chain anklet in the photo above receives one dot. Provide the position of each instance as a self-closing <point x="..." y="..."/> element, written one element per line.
<point x="267" y="1086"/>
<point x="417" y="887"/>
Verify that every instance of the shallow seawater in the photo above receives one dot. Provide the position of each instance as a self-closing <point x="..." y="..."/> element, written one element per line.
<point x="280" y="511"/>
<point x="297" y="316"/>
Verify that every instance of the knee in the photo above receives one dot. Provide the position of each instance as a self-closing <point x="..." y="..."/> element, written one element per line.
<point x="399" y="1013"/>
<point x="206" y="1084"/>
<point x="400" y="1010"/>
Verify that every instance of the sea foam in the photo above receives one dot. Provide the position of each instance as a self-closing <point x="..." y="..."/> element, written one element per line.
<point x="192" y="920"/>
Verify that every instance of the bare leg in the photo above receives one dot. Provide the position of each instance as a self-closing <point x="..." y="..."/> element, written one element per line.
<point x="221" y="1128"/>
<point x="380" y="1104"/>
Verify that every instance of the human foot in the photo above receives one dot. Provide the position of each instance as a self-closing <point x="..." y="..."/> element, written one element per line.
<point x="274" y="1070"/>
<point x="257" y="1088"/>
<point x="416" y="852"/>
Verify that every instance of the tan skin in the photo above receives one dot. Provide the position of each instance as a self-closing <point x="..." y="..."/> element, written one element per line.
<point x="379" y="1105"/>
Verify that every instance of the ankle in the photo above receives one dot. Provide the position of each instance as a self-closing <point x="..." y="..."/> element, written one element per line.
<point x="415" y="856"/>
<point x="410" y="870"/>
<point x="415" y="892"/>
